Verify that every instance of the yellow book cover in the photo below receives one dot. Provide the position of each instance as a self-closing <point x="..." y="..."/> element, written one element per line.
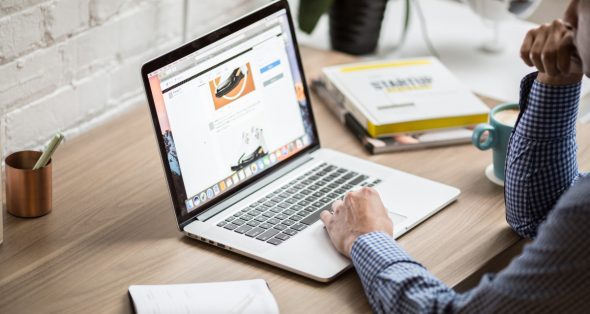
<point x="404" y="95"/>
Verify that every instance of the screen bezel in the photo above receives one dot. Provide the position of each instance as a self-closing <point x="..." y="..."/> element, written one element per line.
<point x="194" y="46"/>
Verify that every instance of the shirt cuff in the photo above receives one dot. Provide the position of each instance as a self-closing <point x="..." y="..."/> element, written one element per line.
<point x="547" y="111"/>
<point x="374" y="252"/>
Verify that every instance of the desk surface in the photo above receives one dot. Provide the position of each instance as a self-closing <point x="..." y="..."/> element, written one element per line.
<point x="112" y="225"/>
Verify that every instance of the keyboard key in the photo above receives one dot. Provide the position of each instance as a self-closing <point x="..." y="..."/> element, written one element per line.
<point x="358" y="179"/>
<point x="247" y="217"/>
<point x="268" y="214"/>
<point x="230" y="226"/>
<point x="296" y="217"/>
<point x="285" y="195"/>
<point x="318" y="194"/>
<point x="230" y="218"/>
<point x="333" y="185"/>
<point x="254" y="212"/>
<point x="297" y="197"/>
<point x="243" y="229"/>
<point x="253" y="223"/>
<point x="288" y="212"/>
<point x="280" y="227"/>
<point x="320" y="183"/>
<point x="274" y="241"/>
<point x="296" y="207"/>
<point x="303" y="203"/>
<point x="265" y="225"/>
<point x="306" y="192"/>
<point x="281" y="216"/>
<point x="302" y="213"/>
<point x="238" y="222"/>
<point x="282" y="236"/>
<point x="238" y="214"/>
<point x="288" y="222"/>
<point x="276" y="209"/>
<point x="273" y="221"/>
<point x="290" y="232"/>
<point x="283" y="205"/>
<point x="260" y="218"/>
<point x="221" y="223"/>
<point x="314" y="187"/>
<point x="277" y="199"/>
<point x="325" y="190"/>
<point x="291" y="200"/>
<point x="255" y="232"/>
<point x="315" y="216"/>
<point x="299" y="227"/>
<point x="267" y="234"/>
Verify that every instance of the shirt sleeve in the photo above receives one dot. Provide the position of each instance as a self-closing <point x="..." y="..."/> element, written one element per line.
<point x="541" y="160"/>
<point x="393" y="281"/>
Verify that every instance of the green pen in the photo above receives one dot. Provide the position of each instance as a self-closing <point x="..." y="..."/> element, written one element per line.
<point x="51" y="147"/>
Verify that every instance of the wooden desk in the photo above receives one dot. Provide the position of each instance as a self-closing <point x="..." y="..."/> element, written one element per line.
<point x="112" y="225"/>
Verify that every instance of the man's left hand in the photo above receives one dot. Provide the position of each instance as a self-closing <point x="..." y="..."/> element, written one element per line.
<point x="359" y="213"/>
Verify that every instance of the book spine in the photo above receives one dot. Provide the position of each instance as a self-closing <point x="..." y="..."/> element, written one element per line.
<point x="349" y="105"/>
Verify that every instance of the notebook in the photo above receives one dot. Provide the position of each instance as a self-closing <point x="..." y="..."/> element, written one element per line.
<point x="246" y="296"/>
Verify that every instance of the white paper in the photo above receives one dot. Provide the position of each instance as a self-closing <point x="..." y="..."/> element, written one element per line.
<point x="247" y="296"/>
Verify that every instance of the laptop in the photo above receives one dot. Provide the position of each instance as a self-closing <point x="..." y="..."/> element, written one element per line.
<point x="241" y="151"/>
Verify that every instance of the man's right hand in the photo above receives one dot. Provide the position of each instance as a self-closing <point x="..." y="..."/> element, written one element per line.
<point x="551" y="49"/>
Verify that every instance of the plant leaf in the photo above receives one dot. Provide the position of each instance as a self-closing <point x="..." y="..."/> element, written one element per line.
<point x="310" y="12"/>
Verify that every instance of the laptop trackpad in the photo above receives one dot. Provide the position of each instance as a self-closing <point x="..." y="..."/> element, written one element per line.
<point x="397" y="218"/>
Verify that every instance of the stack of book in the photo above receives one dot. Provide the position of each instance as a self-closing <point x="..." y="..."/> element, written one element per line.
<point x="401" y="104"/>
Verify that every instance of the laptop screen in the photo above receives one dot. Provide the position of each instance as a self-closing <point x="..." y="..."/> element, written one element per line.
<point x="231" y="111"/>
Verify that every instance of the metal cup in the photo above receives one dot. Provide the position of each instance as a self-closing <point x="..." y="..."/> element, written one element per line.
<point x="28" y="191"/>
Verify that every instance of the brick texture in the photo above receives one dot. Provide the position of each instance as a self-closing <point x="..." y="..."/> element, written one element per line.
<point x="68" y="65"/>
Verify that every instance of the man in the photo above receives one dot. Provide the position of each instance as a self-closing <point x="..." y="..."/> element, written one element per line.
<point x="546" y="199"/>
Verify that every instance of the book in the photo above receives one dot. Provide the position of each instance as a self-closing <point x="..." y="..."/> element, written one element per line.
<point x="393" y="143"/>
<point x="246" y="296"/>
<point x="403" y="96"/>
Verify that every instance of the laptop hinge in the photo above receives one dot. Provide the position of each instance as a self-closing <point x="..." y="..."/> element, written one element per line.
<point x="253" y="188"/>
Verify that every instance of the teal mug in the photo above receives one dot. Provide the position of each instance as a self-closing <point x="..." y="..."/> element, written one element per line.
<point x="501" y="122"/>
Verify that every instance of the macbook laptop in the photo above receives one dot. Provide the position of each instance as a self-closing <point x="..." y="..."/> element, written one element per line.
<point x="241" y="152"/>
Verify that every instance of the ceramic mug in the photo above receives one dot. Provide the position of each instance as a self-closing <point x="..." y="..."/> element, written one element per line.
<point x="498" y="129"/>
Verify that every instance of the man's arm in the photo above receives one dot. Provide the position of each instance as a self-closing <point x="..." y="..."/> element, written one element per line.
<point x="541" y="161"/>
<point x="551" y="274"/>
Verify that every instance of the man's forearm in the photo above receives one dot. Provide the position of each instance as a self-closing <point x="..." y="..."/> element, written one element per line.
<point x="393" y="281"/>
<point x="541" y="160"/>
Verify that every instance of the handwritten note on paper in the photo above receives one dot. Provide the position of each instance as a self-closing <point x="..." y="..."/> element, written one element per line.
<point x="247" y="296"/>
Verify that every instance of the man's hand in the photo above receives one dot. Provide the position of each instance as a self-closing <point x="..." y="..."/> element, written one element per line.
<point x="361" y="212"/>
<point x="551" y="49"/>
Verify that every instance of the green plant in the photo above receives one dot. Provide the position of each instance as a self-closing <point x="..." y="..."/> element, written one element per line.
<point x="310" y="12"/>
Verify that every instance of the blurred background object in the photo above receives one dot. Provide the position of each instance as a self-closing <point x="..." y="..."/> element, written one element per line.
<point x="355" y="25"/>
<point x="495" y="12"/>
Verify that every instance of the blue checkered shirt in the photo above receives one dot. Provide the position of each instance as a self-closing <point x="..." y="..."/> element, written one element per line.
<point x="552" y="275"/>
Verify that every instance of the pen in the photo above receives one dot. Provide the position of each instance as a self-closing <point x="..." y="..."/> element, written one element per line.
<point x="51" y="147"/>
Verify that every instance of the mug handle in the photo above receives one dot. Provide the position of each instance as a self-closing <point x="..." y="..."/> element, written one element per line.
<point x="478" y="132"/>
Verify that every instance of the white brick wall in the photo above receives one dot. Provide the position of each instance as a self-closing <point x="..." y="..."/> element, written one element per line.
<point x="66" y="65"/>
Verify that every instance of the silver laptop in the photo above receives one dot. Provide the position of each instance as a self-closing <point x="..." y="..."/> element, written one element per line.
<point x="242" y="155"/>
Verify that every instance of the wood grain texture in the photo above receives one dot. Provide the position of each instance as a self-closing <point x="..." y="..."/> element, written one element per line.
<point x="113" y="225"/>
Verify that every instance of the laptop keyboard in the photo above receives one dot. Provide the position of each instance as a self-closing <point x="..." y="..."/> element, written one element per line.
<point x="296" y="205"/>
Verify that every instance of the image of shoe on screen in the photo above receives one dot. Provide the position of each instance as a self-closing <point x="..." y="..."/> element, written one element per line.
<point x="547" y="200"/>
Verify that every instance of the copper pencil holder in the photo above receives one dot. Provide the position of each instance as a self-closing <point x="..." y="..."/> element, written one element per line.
<point x="28" y="191"/>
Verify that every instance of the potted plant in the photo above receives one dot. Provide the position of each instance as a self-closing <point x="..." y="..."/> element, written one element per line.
<point x="354" y="24"/>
